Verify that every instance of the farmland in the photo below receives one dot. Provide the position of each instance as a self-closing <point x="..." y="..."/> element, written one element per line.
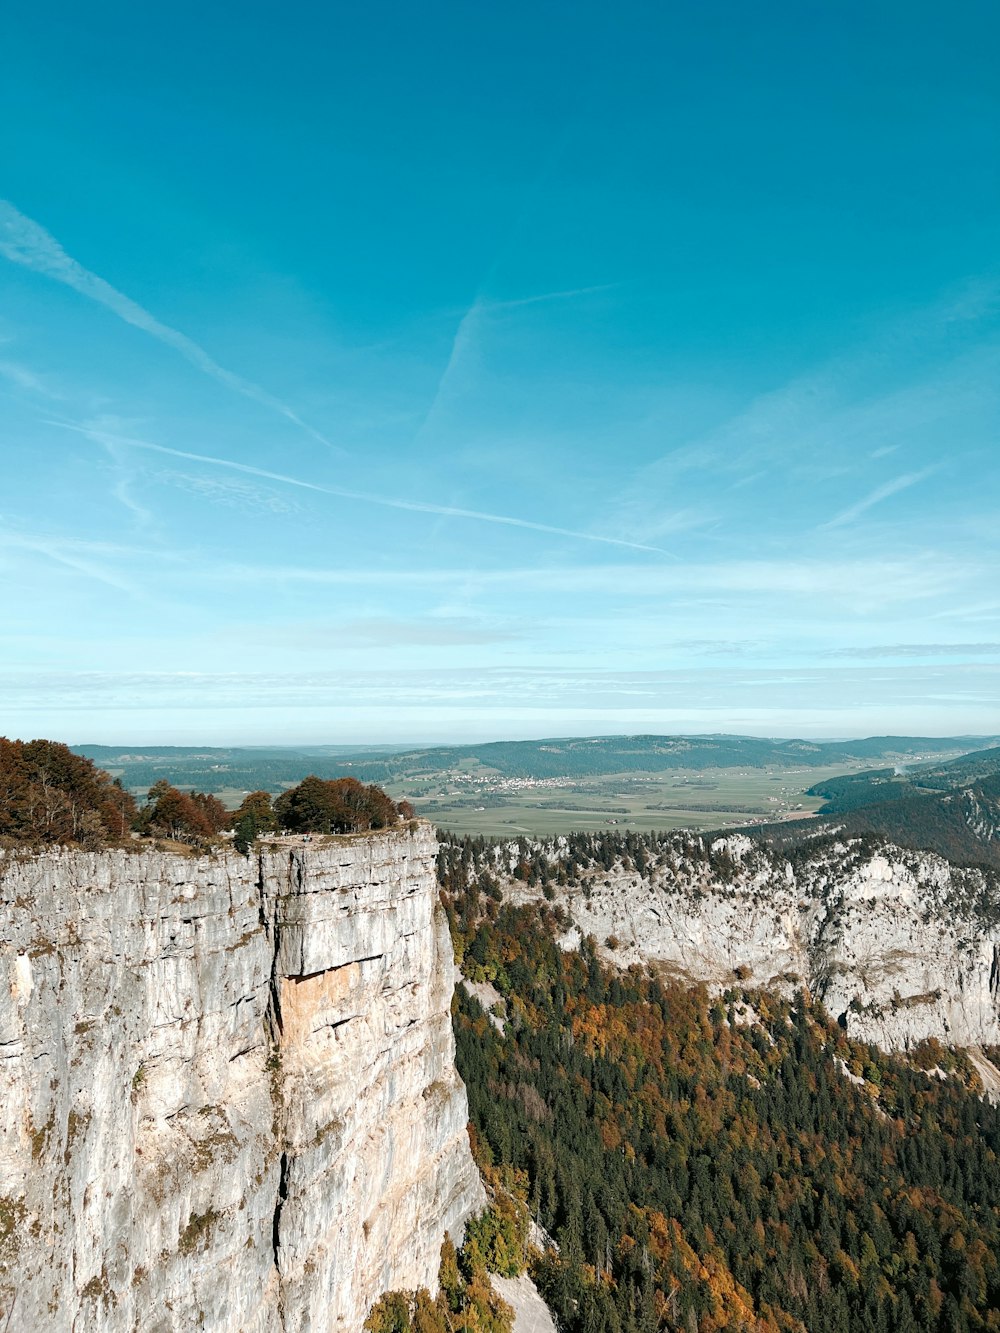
<point x="477" y="802"/>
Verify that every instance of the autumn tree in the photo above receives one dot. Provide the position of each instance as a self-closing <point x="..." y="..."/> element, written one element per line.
<point x="465" y="1303"/>
<point x="49" y="795"/>
<point x="214" y="812"/>
<point x="170" y="813"/>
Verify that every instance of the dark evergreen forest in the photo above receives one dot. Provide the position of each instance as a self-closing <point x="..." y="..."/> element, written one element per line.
<point x="730" y="1163"/>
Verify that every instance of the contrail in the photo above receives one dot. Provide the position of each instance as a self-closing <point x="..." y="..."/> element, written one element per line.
<point x="24" y="242"/>
<point x="565" y="294"/>
<point x="364" y="497"/>
<point x="469" y="328"/>
<point x="464" y="337"/>
<point x="877" y="496"/>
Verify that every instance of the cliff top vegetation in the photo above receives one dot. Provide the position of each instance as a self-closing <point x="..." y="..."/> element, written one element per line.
<point x="50" y="796"/>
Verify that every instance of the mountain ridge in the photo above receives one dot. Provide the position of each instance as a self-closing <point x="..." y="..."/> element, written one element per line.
<point x="216" y="768"/>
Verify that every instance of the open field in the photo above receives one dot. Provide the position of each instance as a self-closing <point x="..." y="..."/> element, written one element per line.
<point x="700" y="799"/>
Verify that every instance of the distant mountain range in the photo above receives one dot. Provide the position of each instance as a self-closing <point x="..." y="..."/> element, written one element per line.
<point x="247" y="768"/>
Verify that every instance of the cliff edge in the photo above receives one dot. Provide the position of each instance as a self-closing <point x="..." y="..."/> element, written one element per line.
<point x="228" y="1097"/>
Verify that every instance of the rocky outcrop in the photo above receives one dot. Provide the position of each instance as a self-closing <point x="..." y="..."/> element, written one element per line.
<point x="531" y="1314"/>
<point x="899" y="945"/>
<point x="228" y="1097"/>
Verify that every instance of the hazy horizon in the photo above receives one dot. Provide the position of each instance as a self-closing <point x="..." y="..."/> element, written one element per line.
<point x="474" y="739"/>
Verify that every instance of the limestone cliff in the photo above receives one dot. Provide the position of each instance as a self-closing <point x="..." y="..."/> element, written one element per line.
<point x="898" y="944"/>
<point x="228" y="1097"/>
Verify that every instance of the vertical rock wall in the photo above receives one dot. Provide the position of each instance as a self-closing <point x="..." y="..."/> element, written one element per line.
<point x="899" y="945"/>
<point x="228" y="1097"/>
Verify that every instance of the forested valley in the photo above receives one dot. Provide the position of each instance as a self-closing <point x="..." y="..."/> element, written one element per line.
<point x="716" y="1163"/>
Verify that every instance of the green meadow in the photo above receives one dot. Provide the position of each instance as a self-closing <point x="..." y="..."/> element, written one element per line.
<point x="699" y="799"/>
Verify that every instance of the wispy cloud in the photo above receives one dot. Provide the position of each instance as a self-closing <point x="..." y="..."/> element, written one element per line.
<point x="230" y="493"/>
<point x="637" y="519"/>
<point x="919" y="650"/>
<point x="74" y="555"/>
<point x="466" y="345"/>
<point x="903" y="385"/>
<point x="124" y="469"/>
<point x="977" y="611"/>
<point x="882" y="582"/>
<point x="23" y="241"/>
<point x="387" y="632"/>
<point x="25" y="378"/>
<point x="876" y="496"/>
<point x="686" y="700"/>
<point x="364" y="497"/>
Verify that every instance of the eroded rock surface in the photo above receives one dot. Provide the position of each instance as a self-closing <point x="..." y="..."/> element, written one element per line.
<point x="228" y="1097"/>
<point x="531" y="1314"/>
<point x="899" y="945"/>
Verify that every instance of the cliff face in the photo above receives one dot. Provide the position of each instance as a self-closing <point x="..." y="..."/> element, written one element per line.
<point x="899" y="945"/>
<point x="227" y="1088"/>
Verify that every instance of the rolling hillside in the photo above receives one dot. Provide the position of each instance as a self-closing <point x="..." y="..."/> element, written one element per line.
<point x="218" y="769"/>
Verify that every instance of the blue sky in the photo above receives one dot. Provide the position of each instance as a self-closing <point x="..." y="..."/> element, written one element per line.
<point x="393" y="372"/>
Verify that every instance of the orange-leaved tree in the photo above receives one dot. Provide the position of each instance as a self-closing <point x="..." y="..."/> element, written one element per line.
<point x="50" y="795"/>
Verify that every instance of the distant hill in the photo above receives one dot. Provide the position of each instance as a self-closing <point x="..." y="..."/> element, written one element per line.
<point x="225" y="768"/>
<point x="595" y="755"/>
<point x="214" y="768"/>
<point x="956" y="772"/>
<point x="951" y="808"/>
<point x="903" y="782"/>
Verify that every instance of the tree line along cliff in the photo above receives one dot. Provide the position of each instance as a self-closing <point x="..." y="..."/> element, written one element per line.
<point x="50" y="796"/>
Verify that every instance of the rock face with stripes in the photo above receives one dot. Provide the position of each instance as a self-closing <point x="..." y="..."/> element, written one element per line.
<point x="228" y="1097"/>
<point x="899" y="945"/>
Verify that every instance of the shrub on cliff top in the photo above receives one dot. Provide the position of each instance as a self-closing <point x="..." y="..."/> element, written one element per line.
<point x="51" y="796"/>
<point x="343" y="805"/>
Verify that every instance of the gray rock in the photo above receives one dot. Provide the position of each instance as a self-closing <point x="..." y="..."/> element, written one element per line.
<point x="899" y="945"/>
<point x="531" y="1314"/>
<point x="228" y="1097"/>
